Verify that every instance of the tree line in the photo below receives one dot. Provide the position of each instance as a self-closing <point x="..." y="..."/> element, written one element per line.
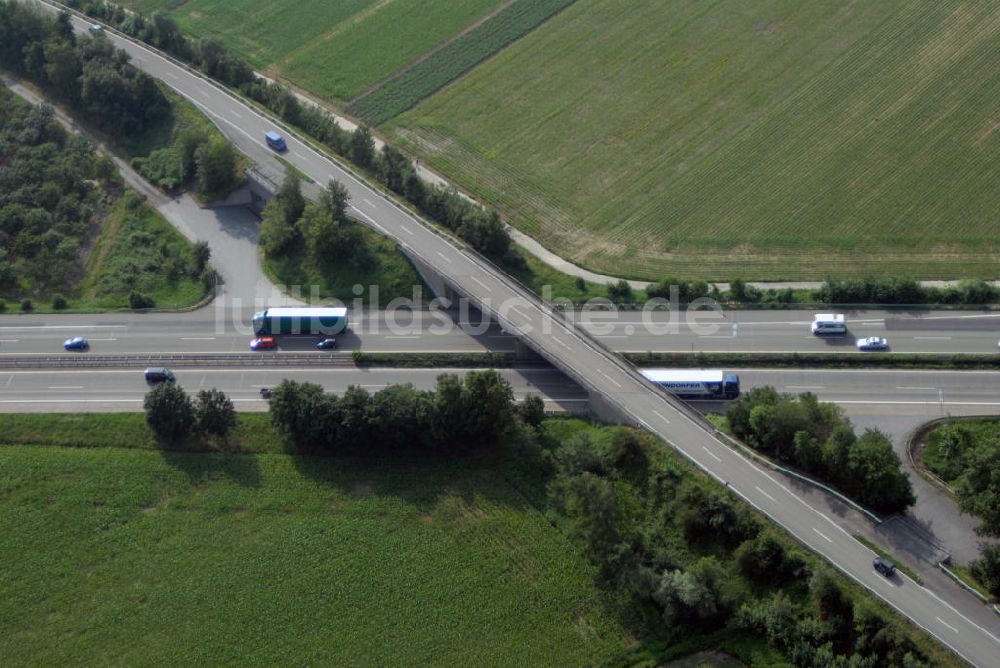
<point x="458" y="416"/>
<point x="884" y="291"/>
<point x="817" y="439"/>
<point x="481" y="228"/>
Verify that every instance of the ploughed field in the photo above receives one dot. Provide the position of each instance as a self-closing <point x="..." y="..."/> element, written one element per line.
<point x="137" y="556"/>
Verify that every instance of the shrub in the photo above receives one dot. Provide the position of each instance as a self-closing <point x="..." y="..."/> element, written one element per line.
<point x="3" y="306"/>
<point x="169" y="412"/>
<point x="620" y="292"/>
<point x="27" y="306"/>
<point x="214" y="412"/>
<point x="137" y="300"/>
<point x="59" y="302"/>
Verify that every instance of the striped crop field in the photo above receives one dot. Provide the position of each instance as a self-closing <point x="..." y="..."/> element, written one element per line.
<point x="399" y="93"/>
<point x="137" y="557"/>
<point x="335" y="50"/>
<point x="774" y="139"/>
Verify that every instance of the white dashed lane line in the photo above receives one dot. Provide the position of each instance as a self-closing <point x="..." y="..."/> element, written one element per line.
<point x="822" y="535"/>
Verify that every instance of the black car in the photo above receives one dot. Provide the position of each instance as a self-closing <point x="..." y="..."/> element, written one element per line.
<point x="884" y="566"/>
<point x="327" y="344"/>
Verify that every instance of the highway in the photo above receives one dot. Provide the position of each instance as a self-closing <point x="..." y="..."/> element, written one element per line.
<point x="77" y="390"/>
<point x="225" y="327"/>
<point x="587" y="362"/>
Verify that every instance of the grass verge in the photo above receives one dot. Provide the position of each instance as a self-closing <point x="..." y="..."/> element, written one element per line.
<point x="965" y="575"/>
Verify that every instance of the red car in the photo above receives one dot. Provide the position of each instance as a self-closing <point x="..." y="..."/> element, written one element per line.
<point x="263" y="343"/>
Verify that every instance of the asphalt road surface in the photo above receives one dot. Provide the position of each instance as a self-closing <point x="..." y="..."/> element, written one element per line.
<point x="89" y="390"/>
<point x="224" y="326"/>
<point x="589" y="364"/>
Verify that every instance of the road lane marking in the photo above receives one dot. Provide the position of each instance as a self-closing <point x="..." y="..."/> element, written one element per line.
<point x="805" y="387"/>
<point x="197" y="338"/>
<point x="764" y="493"/>
<point x="370" y="203"/>
<point x="205" y="94"/>
<point x="400" y="336"/>
<point x="443" y="257"/>
<point x="27" y="327"/>
<point x="300" y="156"/>
<point x="617" y="384"/>
<point x="903" y="387"/>
<point x="65" y="387"/>
<point x="561" y="343"/>
<point x="947" y="624"/>
<point x="172" y="75"/>
<point x="9" y="340"/>
<point x="234" y="113"/>
<point x="406" y="229"/>
<point x="104" y="339"/>
<point x="481" y="284"/>
<point x="829" y="540"/>
<point x="711" y="454"/>
<point x="932" y="338"/>
<point x="661" y="416"/>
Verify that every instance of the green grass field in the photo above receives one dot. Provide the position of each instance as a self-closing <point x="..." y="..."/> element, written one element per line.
<point x="768" y="140"/>
<point x="116" y="556"/>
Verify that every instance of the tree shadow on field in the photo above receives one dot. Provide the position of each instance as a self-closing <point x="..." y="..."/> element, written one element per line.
<point x="201" y="467"/>
<point x="420" y="480"/>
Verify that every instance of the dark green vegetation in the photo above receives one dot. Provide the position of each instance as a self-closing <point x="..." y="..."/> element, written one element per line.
<point x="486" y="544"/>
<point x="400" y="92"/>
<point x="648" y="139"/>
<point x="163" y="136"/>
<point x="314" y="244"/>
<point x="68" y="239"/>
<point x="695" y="564"/>
<point x="817" y="439"/>
<point x="89" y="75"/>
<point x="173" y="416"/>
<point x="966" y="453"/>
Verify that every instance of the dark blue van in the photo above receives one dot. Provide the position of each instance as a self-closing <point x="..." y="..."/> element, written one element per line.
<point x="275" y="141"/>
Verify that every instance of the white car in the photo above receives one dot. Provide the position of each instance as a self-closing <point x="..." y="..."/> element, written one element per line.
<point x="873" y="343"/>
